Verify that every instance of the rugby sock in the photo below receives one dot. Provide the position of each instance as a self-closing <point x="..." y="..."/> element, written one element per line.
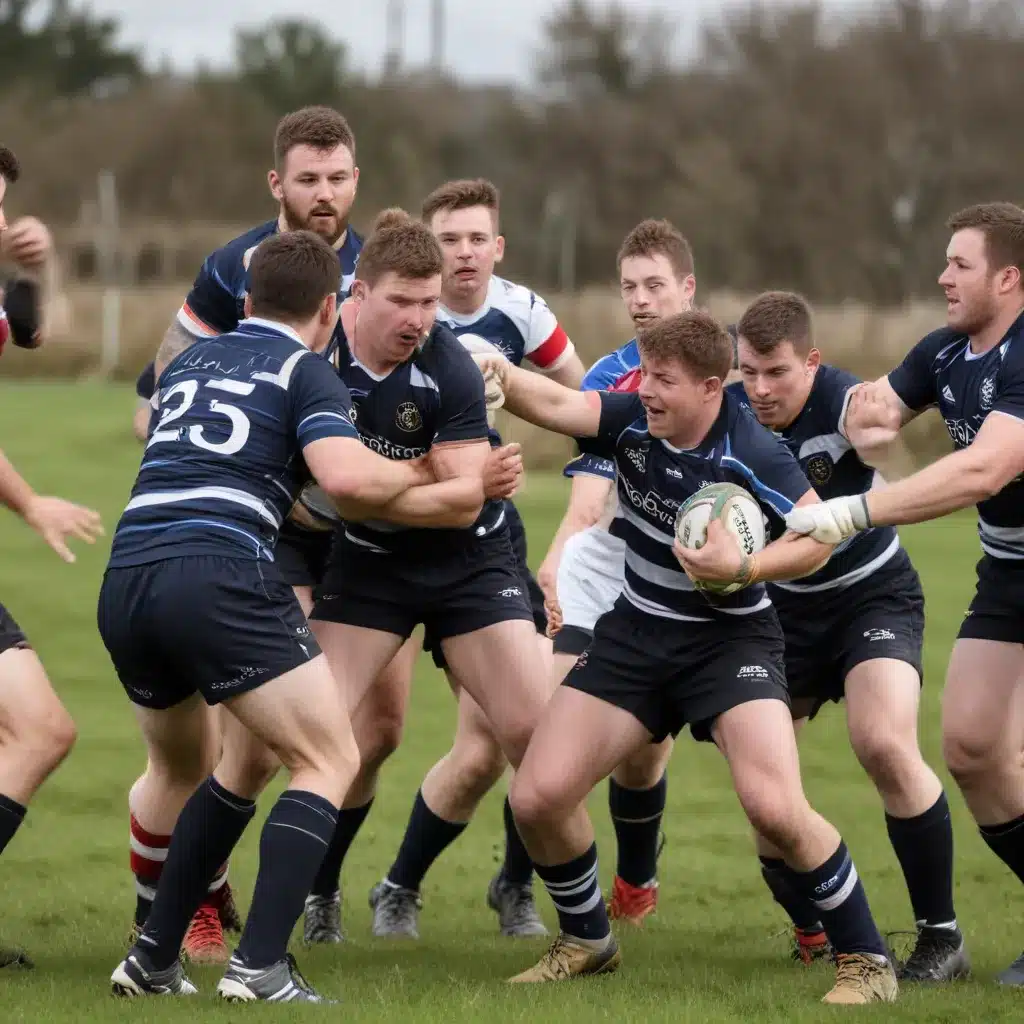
<point x="786" y="891"/>
<point x="208" y="828"/>
<point x="426" y="837"/>
<point x="576" y="895"/>
<point x="12" y="814"/>
<point x="636" y="815"/>
<point x="924" y="848"/>
<point x="350" y="820"/>
<point x="837" y="893"/>
<point x="517" y="868"/>
<point x="295" y="837"/>
<point x="1006" y="841"/>
<point x="148" y="854"/>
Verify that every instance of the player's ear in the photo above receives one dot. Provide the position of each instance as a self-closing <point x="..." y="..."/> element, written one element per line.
<point x="499" y="251"/>
<point x="689" y="287"/>
<point x="813" y="359"/>
<point x="329" y="309"/>
<point x="247" y="305"/>
<point x="274" y="181"/>
<point x="358" y="289"/>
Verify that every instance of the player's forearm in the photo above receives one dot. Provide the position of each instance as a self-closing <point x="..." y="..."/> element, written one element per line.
<point x="791" y="557"/>
<point x="15" y="492"/>
<point x="453" y="503"/>
<point x="366" y="480"/>
<point x="955" y="481"/>
<point x="545" y="403"/>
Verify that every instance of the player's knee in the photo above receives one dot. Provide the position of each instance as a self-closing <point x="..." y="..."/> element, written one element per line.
<point x="47" y="736"/>
<point x="379" y="739"/>
<point x="774" y="814"/>
<point x="887" y="758"/>
<point x="478" y="763"/>
<point x="969" y="755"/>
<point x="536" y="802"/>
<point x="641" y="770"/>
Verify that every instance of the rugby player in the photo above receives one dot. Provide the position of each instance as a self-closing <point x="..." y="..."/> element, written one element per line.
<point x="973" y="371"/>
<point x="582" y="573"/>
<point x="416" y="390"/>
<point x="479" y="307"/>
<point x="193" y="608"/>
<point x="36" y="731"/>
<point x="314" y="181"/>
<point x="862" y="640"/>
<point x="668" y="655"/>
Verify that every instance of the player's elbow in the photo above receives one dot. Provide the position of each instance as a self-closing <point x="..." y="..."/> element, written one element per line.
<point x="348" y="486"/>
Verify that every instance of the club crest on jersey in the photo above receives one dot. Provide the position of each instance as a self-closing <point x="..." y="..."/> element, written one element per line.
<point x="819" y="468"/>
<point x="408" y="417"/>
<point x="987" y="393"/>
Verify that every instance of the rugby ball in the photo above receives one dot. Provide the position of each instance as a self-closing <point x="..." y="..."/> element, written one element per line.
<point x="736" y="508"/>
<point x="314" y="510"/>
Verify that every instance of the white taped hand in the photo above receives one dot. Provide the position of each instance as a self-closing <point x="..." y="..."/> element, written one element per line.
<point x="832" y="521"/>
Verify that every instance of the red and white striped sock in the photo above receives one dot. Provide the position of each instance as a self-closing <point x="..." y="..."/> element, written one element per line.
<point x="148" y="854"/>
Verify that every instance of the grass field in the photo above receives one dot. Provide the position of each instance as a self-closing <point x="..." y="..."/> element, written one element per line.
<point x="715" y="951"/>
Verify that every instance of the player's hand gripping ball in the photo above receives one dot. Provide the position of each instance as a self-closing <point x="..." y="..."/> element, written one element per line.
<point x="740" y="515"/>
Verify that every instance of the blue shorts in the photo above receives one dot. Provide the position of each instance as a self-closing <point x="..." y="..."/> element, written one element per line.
<point x="210" y="624"/>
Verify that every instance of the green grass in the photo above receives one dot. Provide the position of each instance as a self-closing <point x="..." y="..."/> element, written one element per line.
<point x="714" y="952"/>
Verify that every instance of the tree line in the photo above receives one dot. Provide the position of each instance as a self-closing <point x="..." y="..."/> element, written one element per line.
<point x="799" y="147"/>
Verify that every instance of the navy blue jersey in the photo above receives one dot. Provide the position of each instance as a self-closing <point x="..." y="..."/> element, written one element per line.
<point x="216" y="302"/>
<point x="940" y="370"/>
<point x="436" y="396"/>
<point x="223" y="465"/>
<point x="819" y="444"/>
<point x="655" y="479"/>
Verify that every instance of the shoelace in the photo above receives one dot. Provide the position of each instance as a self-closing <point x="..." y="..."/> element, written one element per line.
<point x="932" y="947"/>
<point x="855" y="970"/>
<point x="559" y="958"/>
<point x="205" y="928"/>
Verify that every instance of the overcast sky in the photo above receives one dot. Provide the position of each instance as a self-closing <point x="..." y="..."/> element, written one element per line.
<point x="487" y="40"/>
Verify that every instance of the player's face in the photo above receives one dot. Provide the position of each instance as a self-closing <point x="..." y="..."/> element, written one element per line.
<point x="972" y="288"/>
<point x="471" y="246"/>
<point x="778" y="383"/>
<point x="396" y="314"/>
<point x="673" y="397"/>
<point x="651" y="290"/>
<point x="316" y="189"/>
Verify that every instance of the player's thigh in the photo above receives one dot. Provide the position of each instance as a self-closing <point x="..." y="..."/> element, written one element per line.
<point x="579" y="739"/>
<point x="379" y="719"/>
<point x="302" y="717"/>
<point x="883" y="697"/>
<point x="500" y="666"/>
<point x="304" y="595"/>
<point x="357" y="656"/>
<point x="983" y="702"/>
<point x="180" y="739"/>
<point x="759" y="744"/>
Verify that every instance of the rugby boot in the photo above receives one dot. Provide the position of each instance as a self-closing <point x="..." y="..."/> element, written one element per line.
<point x="204" y="939"/>
<point x="939" y="955"/>
<point x="322" y="920"/>
<point x="1012" y="975"/>
<point x="135" y="976"/>
<point x="810" y="945"/>
<point x="516" y="908"/>
<point x="567" y="959"/>
<point x="279" y="983"/>
<point x="632" y="903"/>
<point x="862" y="978"/>
<point x="224" y="899"/>
<point x="396" y="911"/>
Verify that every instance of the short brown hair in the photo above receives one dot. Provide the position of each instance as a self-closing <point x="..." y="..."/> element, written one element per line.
<point x="401" y="245"/>
<point x="658" y="238"/>
<point x="776" y="317"/>
<point x="321" y="128"/>
<point x="291" y="273"/>
<point x="462" y="195"/>
<point x="694" y="338"/>
<point x="10" y="169"/>
<point x="1002" y="224"/>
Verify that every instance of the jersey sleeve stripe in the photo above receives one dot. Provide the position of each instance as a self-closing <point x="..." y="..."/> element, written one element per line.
<point x="194" y="325"/>
<point x="782" y="505"/>
<point x="553" y="352"/>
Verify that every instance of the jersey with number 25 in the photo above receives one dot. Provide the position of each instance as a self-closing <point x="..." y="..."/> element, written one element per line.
<point x="223" y="465"/>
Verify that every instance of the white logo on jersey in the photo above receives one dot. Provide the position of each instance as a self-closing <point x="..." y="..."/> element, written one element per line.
<point x="674" y="473"/>
<point x="947" y="394"/>
<point x="988" y="392"/>
<point x="638" y="456"/>
<point x="510" y="592"/>
<point x="652" y="503"/>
